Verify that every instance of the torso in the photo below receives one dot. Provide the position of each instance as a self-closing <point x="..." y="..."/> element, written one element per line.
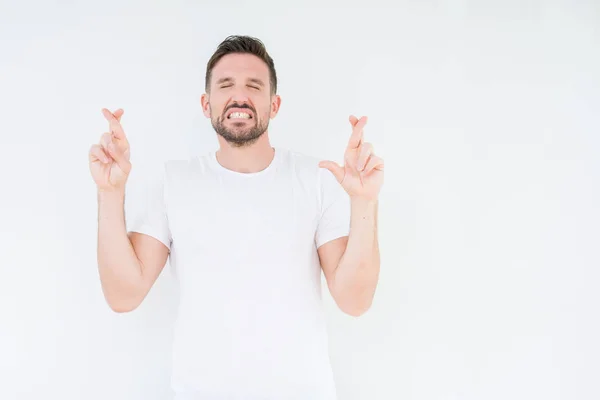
<point x="250" y="317"/>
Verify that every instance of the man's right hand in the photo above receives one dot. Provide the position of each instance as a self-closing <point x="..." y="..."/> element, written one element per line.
<point x="109" y="159"/>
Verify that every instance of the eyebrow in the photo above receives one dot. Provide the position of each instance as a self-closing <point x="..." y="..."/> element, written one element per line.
<point x="229" y="79"/>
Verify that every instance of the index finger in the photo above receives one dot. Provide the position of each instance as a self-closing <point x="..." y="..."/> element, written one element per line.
<point x="357" y="133"/>
<point x="115" y="125"/>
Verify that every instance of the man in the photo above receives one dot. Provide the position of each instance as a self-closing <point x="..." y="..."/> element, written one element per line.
<point x="248" y="229"/>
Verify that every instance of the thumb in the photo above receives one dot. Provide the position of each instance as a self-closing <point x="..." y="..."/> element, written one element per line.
<point x="119" y="157"/>
<point x="335" y="169"/>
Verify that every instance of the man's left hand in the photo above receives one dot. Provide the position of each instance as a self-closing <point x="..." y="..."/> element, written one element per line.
<point x="361" y="176"/>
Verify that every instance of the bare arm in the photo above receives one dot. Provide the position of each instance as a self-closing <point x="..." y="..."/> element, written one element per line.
<point x="351" y="264"/>
<point x="128" y="264"/>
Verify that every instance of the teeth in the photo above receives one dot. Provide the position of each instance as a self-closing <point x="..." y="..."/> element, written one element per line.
<point x="239" y="115"/>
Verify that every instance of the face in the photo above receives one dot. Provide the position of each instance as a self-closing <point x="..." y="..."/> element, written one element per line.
<point x="239" y="103"/>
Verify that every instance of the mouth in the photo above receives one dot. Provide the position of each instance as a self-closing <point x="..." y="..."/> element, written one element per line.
<point x="239" y="114"/>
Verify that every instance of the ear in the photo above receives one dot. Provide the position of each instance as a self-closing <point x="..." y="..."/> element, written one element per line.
<point x="275" y="104"/>
<point x="205" y="105"/>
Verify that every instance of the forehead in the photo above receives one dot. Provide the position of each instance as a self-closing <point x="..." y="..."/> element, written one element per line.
<point x="240" y="67"/>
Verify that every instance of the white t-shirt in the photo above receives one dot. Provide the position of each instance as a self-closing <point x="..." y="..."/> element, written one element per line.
<point x="244" y="248"/>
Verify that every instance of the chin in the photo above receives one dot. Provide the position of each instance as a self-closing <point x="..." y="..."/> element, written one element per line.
<point x="239" y="133"/>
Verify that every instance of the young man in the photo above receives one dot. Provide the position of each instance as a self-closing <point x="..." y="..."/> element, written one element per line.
<point x="248" y="229"/>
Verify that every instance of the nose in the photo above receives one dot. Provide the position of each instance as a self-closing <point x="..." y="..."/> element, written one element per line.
<point x="240" y="95"/>
<point x="239" y="100"/>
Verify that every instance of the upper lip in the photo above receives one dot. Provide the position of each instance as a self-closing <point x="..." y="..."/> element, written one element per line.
<point x="235" y="109"/>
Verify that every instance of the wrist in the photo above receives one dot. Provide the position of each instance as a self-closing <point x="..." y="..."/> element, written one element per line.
<point x="362" y="202"/>
<point x="363" y="209"/>
<point x="113" y="194"/>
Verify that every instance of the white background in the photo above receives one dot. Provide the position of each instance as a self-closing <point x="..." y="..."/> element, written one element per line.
<point x="487" y="116"/>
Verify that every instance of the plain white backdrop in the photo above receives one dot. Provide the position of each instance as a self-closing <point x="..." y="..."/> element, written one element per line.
<point x="487" y="116"/>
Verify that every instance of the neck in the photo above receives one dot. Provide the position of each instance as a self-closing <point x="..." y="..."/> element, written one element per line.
<point x="247" y="159"/>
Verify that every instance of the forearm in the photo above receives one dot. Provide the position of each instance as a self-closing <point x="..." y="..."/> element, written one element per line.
<point x="119" y="268"/>
<point x="357" y="273"/>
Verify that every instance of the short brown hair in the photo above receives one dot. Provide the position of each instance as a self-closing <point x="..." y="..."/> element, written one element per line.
<point x="245" y="45"/>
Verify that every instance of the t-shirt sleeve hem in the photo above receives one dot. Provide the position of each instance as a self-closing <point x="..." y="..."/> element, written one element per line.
<point x="328" y="237"/>
<point x="148" y="230"/>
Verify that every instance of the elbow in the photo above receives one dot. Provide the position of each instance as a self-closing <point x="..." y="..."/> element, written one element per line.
<point x="357" y="309"/>
<point x="354" y="301"/>
<point x="354" y="304"/>
<point x="122" y="307"/>
<point x="120" y="303"/>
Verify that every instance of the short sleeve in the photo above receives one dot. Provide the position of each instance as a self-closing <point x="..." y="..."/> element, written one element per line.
<point x="147" y="211"/>
<point x="334" y="221"/>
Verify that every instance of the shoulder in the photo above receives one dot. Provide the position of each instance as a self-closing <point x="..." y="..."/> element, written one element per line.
<point x="303" y="165"/>
<point x="182" y="169"/>
<point x="299" y="158"/>
<point x="317" y="181"/>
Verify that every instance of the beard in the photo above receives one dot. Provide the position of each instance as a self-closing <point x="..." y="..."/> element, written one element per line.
<point x="242" y="133"/>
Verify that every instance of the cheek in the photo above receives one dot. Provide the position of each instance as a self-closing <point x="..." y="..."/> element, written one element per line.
<point x="214" y="111"/>
<point x="215" y="105"/>
<point x="266" y="108"/>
